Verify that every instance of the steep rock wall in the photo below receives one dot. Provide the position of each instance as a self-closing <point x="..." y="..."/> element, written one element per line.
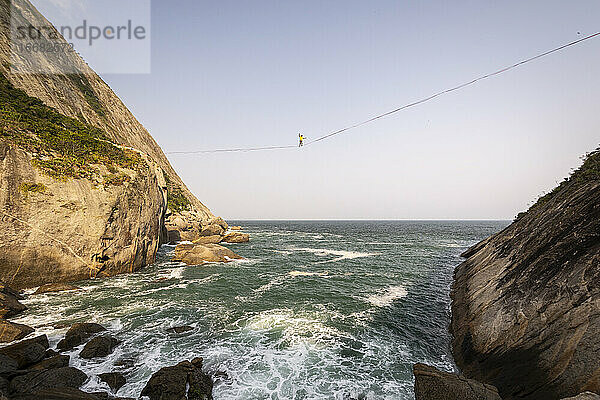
<point x="84" y="95"/>
<point x="526" y="302"/>
<point x="74" y="230"/>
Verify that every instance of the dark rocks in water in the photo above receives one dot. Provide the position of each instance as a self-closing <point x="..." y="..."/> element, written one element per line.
<point x="55" y="287"/>
<point x="115" y="380"/>
<point x="525" y="303"/>
<point x="100" y="346"/>
<point x="78" y="334"/>
<point x="51" y="353"/>
<point x="26" y="352"/>
<point x="63" y="393"/>
<point x="57" y="361"/>
<point x="32" y="382"/>
<point x="180" y="329"/>
<point x="10" y="331"/>
<point x="200" y="384"/>
<point x="179" y="381"/>
<point x="432" y="384"/>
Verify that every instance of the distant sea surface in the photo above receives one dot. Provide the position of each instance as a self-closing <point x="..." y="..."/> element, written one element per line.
<point x="318" y="310"/>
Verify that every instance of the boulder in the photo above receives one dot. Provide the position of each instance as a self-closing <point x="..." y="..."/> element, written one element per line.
<point x="57" y="361"/>
<point x="8" y="290"/>
<point x="35" y="381"/>
<point x="114" y="380"/>
<point x="200" y="384"/>
<point x="180" y="329"/>
<point x="432" y="384"/>
<point x="10" y="331"/>
<point x="526" y="302"/>
<point x="27" y="352"/>
<point x="212" y="230"/>
<point x="7" y="365"/>
<point x="9" y="302"/>
<point x="55" y="287"/>
<point x="236" y="237"/>
<point x="214" y="239"/>
<point x="235" y="228"/>
<point x="4" y="387"/>
<point x="584" y="396"/>
<point x="196" y="254"/>
<point x="62" y="393"/>
<point x="100" y="346"/>
<point x="179" y="381"/>
<point x="78" y="334"/>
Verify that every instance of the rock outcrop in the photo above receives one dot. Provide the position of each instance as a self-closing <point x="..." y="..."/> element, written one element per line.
<point x="9" y="301"/>
<point x="67" y="214"/>
<point x="182" y="381"/>
<point x="78" y="334"/>
<point x="432" y="384"/>
<point x="9" y="307"/>
<point x="585" y="396"/>
<point x="10" y="331"/>
<point x="100" y="346"/>
<point x="198" y="254"/>
<point x="526" y="302"/>
<point x="114" y="380"/>
<point x="30" y="371"/>
<point x="236" y="237"/>
<point x="54" y="288"/>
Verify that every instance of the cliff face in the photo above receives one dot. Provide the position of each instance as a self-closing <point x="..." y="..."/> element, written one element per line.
<point x="526" y="302"/>
<point x="85" y="190"/>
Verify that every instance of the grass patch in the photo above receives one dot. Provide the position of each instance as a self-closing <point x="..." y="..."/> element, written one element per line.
<point x="62" y="147"/>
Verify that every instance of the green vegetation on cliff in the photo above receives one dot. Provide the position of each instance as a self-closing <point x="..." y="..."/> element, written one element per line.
<point x="27" y="188"/>
<point x="176" y="200"/>
<point x="62" y="147"/>
<point x="589" y="171"/>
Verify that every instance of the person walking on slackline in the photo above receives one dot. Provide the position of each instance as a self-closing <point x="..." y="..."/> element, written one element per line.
<point x="301" y="140"/>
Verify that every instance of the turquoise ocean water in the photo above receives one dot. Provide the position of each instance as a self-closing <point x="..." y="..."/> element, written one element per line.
<point x="318" y="310"/>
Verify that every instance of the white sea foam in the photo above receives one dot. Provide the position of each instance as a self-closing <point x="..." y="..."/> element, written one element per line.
<point x="387" y="297"/>
<point x="341" y="254"/>
<point x="307" y="273"/>
<point x="174" y="273"/>
<point x="295" y="328"/>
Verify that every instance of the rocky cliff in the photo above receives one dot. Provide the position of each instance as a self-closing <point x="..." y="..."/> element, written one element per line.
<point x="85" y="190"/>
<point x="526" y="302"/>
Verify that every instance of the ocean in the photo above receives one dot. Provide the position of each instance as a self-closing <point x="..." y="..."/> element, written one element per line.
<point x="317" y="310"/>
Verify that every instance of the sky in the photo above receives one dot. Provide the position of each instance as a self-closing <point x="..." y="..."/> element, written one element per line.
<point x="232" y="74"/>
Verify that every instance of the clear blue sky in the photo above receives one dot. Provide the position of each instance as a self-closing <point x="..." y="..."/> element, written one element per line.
<point x="245" y="73"/>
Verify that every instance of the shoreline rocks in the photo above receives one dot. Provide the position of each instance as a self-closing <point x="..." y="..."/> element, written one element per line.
<point x="55" y="287"/>
<point x="197" y="254"/>
<point x="10" y="331"/>
<point x="185" y="380"/>
<point x="236" y="237"/>
<point x="100" y="346"/>
<point x="78" y="334"/>
<point x="433" y="384"/>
